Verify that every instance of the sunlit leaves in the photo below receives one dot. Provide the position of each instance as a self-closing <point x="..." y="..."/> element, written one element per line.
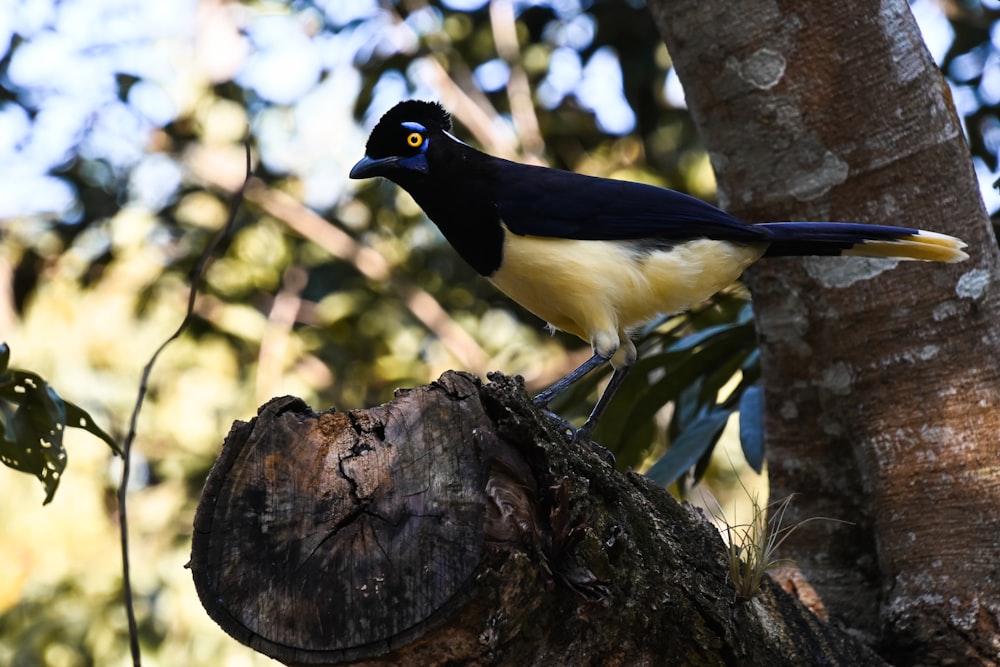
<point x="33" y="418"/>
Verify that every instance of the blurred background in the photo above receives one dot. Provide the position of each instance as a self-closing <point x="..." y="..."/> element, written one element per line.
<point x="122" y="125"/>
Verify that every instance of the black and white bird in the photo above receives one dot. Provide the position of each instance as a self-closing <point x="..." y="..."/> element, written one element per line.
<point x="596" y="256"/>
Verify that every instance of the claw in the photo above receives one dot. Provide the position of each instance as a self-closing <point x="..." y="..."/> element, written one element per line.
<point x="581" y="436"/>
<point x="564" y="426"/>
<point x="602" y="452"/>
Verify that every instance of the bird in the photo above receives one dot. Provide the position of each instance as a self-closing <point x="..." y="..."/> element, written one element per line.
<point x="591" y="256"/>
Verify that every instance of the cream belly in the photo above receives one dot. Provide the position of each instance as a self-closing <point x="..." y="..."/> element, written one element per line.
<point x="596" y="289"/>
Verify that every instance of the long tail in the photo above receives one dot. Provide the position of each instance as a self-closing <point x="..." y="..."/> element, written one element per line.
<point x="796" y="239"/>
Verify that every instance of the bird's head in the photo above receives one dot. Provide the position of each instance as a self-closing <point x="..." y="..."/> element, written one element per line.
<point x="400" y="142"/>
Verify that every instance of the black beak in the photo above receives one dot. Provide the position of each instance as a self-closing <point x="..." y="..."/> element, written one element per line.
<point x="367" y="167"/>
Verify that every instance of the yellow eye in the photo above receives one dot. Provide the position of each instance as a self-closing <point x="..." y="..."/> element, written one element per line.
<point x="414" y="139"/>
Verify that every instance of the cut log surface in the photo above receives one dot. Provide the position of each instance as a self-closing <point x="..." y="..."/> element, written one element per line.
<point x="455" y="525"/>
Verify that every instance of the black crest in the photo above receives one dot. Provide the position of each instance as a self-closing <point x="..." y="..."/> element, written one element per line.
<point x="389" y="135"/>
<point x="431" y="115"/>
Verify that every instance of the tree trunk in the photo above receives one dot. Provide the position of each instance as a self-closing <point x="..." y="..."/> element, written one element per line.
<point x="452" y="526"/>
<point x="882" y="383"/>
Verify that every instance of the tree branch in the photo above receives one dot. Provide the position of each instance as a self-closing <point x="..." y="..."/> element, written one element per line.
<point x="454" y="525"/>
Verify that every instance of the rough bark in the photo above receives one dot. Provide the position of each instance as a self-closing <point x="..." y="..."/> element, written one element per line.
<point x="453" y="526"/>
<point x="882" y="381"/>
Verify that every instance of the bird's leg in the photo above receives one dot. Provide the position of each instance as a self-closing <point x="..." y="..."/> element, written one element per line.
<point x="625" y="350"/>
<point x="545" y="397"/>
<point x="542" y="399"/>
<point x="584" y="432"/>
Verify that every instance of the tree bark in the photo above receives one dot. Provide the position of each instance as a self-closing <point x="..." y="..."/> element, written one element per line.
<point x="453" y="526"/>
<point x="882" y="382"/>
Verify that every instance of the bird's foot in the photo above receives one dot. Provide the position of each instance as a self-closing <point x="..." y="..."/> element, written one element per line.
<point x="581" y="436"/>
<point x="602" y="452"/>
<point x="565" y="427"/>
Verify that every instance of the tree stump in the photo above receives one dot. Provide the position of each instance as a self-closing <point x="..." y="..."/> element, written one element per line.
<point x="456" y="525"/>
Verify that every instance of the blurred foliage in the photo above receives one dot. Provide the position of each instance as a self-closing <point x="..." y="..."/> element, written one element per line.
<point x="121" y="129"/>
<point x="972" y="67"/>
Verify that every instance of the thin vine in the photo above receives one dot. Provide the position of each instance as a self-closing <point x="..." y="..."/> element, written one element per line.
<point x="196" y="279"/>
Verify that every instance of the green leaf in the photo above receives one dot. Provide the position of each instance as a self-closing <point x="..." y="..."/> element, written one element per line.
<point x="702" y="337"/>
<point x="687" y="408"/>
<point x="77" y="417"/>
<point x="724" y="343"/>
<point x="685" y="451"/>
<point x="751" y="365"/>
<point x="701" y="466"/>
<point x="752" y="426"/>
<point x="723" y="374"/>
<point x="621" y="425"/>
<point x="33" y="444"/>
<point x="33" y="418"/>
<point x="40" y="408"/>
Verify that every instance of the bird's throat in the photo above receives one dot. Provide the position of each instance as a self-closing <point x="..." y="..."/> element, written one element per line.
<point x="469" y="223"/>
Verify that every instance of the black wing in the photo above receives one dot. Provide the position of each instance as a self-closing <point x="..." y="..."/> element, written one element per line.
<point x="538" y="201"/>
